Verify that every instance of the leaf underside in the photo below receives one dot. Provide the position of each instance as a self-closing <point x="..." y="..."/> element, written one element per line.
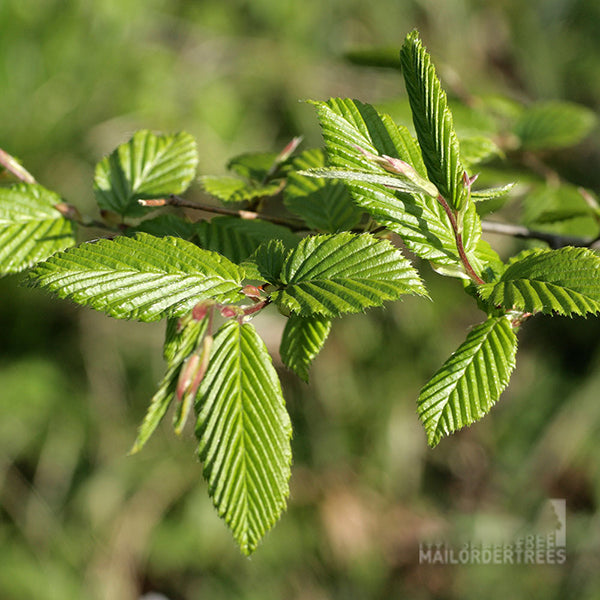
<point x="470" y="381"/>
<point x="144" y="277"/>
<point x="244" y="434"/>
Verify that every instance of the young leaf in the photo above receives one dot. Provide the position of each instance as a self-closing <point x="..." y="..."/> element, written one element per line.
<point x="244" y="434"/>
<point x="331" y="274"/>
<point x="549" y="125"/>
<point x="491" y="193"/>
<point x="352" y="131"/>
<point x="564" y="281"/>
<point x="148" y="166"/>
<point x="302" y="340"/>
<point x="231" y="190"/>
<point x="253" y="166"/>
<point x="324" y="205"/>
<point x="560" y="209"/>
<point x="267" y="262"/>
<point x="237" y="238"/>
<point x="178" y="346"/>
<point x="144" y="277"/>
<point x="470" y="381"/>
<point x="166" y="224"/>
<point x="31" y="228"/>
<point x="477" y="149"/>
<point x="433" y="122"/>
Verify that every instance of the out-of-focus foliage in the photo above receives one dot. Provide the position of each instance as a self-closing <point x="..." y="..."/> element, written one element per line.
<point x="81" y="519"/>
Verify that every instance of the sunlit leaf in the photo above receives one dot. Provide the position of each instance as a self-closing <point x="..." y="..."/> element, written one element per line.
<point x="148" y="166"/>
<point x="564" y="281"/>
<point x="470" y="381"/>
<point x="244" y="434"/>
<point x="332" y="274"/>
<point x="144" y="278"/>
<point x="31" y="228"/>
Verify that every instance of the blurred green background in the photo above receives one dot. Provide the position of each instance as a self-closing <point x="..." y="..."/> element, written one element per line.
<point x="80" y="519"/>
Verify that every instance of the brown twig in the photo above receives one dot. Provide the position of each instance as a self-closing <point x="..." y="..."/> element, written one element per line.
<point x="173" y="200"/>
<point x="17" y="169"/>
<point x="552" y="239"/>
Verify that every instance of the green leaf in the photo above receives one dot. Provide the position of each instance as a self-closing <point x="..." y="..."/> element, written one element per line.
<point x="167" y="224"/>
<point x="385" y="57"/>
<point x="148" y="166"/>
<point x="560" y="209"/>
<point x="267" y="262"/>
<point x="476" y="150"/>
<point x="352" y="130"/>
<point x="549" y="125"/>
<point x="433" y="122"/>
<point x="391" y="181"/>
<point x="324" y="205"/>
<point x="564" y="281"/>
<point x="254" y="166"/>
<point x="144" y="277"/>
<point x="470" y="381"/>
<point x="232" y="190"/>
<point x="491" y="193"/>
<point x="302" y="340"/>
<point x="237" y="238"/>
<point x="31" y="228"/>
<point x="244" y="434"/>
<point x="180" y="342"/>
<point x="332" y="274"/>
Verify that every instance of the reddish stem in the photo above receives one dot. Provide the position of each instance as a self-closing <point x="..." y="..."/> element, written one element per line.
<point x="459" y="243"/>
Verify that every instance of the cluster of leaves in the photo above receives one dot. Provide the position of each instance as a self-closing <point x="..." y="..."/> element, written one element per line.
<point x="331" y="255"/>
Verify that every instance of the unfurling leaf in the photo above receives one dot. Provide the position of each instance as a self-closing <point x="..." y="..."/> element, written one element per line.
<point x="433" y="122"/>
<point x="182" y="340"/>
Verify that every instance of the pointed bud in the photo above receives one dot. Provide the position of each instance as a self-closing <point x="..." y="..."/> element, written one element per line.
<point x="252" y="292"/>
<point x="153" y="202"/>
<point x="186" y="375"/>
<point x="201" y="309"/>
<point x="469" y="181"/>
<point x="68" y="211"/>
<point x="190" y="378"/>
<point x="231" y="311"/>
<point x="288" y="150"/>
